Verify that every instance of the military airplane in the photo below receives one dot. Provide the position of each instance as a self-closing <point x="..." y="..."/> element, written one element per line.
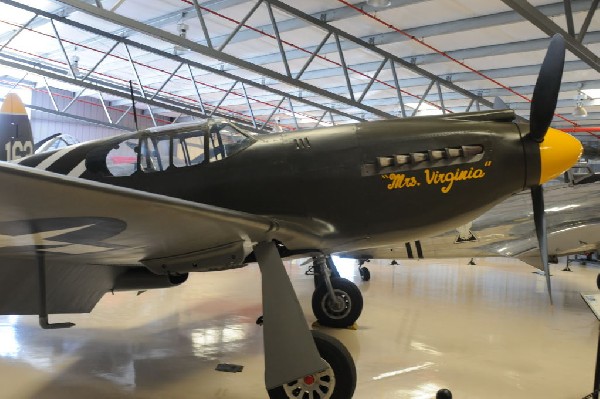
<point x="507" y="230"/>
<point x="16" y="139"/>
<point x="16" y="136"/>
<point x="142" y="210"/>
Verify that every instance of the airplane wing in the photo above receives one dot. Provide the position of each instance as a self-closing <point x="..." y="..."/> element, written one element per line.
<point x="573" y="217"/>
<point x="90" y="232"/>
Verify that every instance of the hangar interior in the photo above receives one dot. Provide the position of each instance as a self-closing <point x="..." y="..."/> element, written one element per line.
<point x="482" y="331"/>
<point x="276" y="65"/>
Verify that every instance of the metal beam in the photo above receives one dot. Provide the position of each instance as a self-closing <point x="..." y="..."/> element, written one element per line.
<point x="549" y="27"/>
<point x="79" y="118"/>
<point x="176" y="40"/>
<point x="569" y="18"/>
<point x="450" y="27"/>
<point x="219" y="55"/>
<point x="376" y="50"/>
<point x="96" y="87"/>
<point x="587" y="21"/>
<point x="162" y="20"/>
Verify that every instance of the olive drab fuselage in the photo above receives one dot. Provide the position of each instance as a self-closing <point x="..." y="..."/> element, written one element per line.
<point x="355" y="186"/>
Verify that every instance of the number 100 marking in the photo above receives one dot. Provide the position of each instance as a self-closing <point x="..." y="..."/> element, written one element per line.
<point x="18" y="150"/>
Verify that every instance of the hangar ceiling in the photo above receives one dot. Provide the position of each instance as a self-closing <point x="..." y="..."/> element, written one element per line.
<point x="297" y="64"/>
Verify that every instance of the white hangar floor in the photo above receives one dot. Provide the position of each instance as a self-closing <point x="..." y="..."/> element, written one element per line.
<point x="484" y="331"/>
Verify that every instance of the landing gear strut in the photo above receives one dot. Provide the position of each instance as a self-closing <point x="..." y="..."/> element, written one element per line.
<point x="291" y="350"/>
<point x="336" y="302"/>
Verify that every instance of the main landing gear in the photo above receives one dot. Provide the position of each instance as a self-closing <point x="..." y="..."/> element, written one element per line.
<point x="336" y="302"/>
<point x="328" y="384"/>
<point x="298" y="363"/>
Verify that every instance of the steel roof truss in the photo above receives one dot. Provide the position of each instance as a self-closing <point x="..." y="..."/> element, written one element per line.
<point x="18" y="82"/>
<point x="373" y="78"/>
<point x="239" y="25"/>
<point x="439" y="89"/>
<point x="398" y="90"/>
<point x="293" y="113"/>
<point x="422" y="99"/>
<point x="166" y="81"/>
<point x="50" y="94"/>
<point x="344" y="66"/>
<point x="224" y="57"/>
<point x="62" y="48"/>
<point x="106" y="54"/>
<point x="320" y="119"/>
<point x="224" y="97"/>
<point x="587" y="21"/>
<point x="73" y="100"/>
<point x="275" y="109"/>
<point x="569" y="17"/>
<point x="549" y="27"/>
<point x="200" y="102"/>
<point x="313" y="55"/>
<point x="470" y="105"/>
<point x="279" y="42"/>
<point x="124" y="114"/>
<point x="371" y="47"/>
<point x="104" y="107"/>
<point x="249" y="106"/>
<point x="202" y="23"/>
<point x="21" y="29"/>
<point x="139" y="81"/>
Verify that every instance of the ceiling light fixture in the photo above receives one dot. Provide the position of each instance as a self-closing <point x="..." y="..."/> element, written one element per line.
<point x="75" y="66"/>
<point x="579" y="110"/>
<point x="182" y="29"/>
<point x="379" y="3"/>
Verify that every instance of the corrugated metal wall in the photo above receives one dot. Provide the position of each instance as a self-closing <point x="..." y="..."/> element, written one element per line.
<point x="45" y="124"/>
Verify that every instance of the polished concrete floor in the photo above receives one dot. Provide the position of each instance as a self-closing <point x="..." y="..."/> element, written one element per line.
<point x="484" y="331"/>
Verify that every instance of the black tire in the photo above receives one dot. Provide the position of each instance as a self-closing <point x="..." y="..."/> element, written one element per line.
<point x="598" y="281"/>
<point x="365" y="274"/>
<point x="323" y="307"/>
<point x="337" y="382"/>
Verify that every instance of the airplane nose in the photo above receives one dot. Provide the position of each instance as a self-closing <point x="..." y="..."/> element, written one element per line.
<point x="558" y="152"/>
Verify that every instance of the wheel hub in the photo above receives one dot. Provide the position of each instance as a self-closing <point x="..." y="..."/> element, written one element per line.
<point x="309" y="380"/>
<point x="318" y="386"/>
<point x="337" y="307"/>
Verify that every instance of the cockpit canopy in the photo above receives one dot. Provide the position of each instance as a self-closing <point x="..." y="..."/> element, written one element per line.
<point x="167" y="147"/>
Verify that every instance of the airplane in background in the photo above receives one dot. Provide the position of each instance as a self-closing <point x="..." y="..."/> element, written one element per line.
<point x="54" y="142"/>
<point x="16" y="138"/>
<point x="75" y="223"/>
<point x="573" y="227"/>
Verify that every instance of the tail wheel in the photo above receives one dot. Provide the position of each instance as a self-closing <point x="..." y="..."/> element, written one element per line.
<point x="365" y="274"/>
<point x="336" y="382"/>
<point x="341" y="311"/>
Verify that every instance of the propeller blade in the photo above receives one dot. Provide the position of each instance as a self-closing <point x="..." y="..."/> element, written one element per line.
<point x="539" y="218"/>
<point x="545" y="93"/>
